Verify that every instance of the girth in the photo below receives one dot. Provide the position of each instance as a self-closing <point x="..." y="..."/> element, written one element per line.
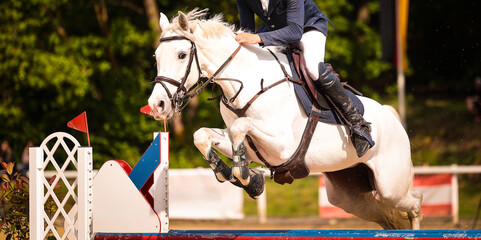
<point x="295" y="167"/>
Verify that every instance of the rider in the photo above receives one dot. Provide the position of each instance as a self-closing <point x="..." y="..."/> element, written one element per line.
<point x="291" y="21"/>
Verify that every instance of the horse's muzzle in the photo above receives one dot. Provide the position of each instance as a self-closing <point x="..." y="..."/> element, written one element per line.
<point x="160" y="110"/>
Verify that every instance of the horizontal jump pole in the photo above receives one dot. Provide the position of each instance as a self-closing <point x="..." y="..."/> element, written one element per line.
<point x="296" y="234"/>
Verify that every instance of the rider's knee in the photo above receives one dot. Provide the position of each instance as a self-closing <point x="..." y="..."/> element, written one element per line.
<point x="326" y="77"/>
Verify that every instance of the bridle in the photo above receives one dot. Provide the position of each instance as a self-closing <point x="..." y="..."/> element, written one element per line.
<point x="181" y="94"/>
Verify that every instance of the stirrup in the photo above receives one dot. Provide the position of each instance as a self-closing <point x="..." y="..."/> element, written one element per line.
<point x="357" y="131"/>
<point x="361" y="140"/>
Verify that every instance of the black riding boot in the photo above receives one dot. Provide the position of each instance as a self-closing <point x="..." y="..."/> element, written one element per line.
<point x="359" y="128"/>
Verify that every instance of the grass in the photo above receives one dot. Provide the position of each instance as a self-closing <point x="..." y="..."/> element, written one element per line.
<point x="441" y="131"/>
<point x="297" y="199"/>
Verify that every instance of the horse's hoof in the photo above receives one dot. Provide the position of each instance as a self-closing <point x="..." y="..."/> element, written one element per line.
<point x="256" y="186"/>
<point x="416" y="222"/>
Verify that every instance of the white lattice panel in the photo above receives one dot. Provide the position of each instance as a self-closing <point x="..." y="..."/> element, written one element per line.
<point x="52" y="199"/>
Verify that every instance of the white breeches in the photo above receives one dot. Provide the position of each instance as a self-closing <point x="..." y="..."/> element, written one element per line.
<point x="313" y="45"/>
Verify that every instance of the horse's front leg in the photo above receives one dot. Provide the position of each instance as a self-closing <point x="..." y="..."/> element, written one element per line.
<point x="252" y="179"/>
<point x="208" y="140"/>
<point x="205" y="139"/>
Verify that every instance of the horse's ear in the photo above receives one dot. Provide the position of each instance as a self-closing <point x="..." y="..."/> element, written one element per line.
<point x="183" y="22"/>
<point x="163" y="22"/>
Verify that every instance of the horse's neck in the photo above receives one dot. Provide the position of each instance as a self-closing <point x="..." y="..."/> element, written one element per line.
<point x="250" y="65"/>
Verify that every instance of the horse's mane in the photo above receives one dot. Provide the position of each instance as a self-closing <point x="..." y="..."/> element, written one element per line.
<point x="214" y="27"/>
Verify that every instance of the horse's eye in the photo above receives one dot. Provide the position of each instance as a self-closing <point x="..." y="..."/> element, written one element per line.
<point x="182" y="55"/>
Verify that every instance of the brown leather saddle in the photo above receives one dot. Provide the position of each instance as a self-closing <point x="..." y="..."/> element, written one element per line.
<point x="299" y="64"/>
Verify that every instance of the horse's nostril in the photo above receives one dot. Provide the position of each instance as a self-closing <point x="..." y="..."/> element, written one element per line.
<point x="161" y="104"/>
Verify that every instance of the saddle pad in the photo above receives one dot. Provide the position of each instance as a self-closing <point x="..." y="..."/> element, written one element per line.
<point x="326" y="115"/>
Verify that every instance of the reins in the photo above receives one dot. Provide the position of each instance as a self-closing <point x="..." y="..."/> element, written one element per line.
<point x="181" y="94"/>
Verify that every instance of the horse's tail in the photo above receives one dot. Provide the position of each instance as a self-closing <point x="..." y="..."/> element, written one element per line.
<point x="391" y="218"/>
<point x="393" y="111"/>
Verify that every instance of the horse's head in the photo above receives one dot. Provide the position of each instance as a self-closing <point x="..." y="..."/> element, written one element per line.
<point x="178" y="67"/>
<point x="180" y="62"/>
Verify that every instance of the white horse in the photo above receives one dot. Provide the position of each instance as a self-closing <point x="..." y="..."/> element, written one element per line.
<point x="375" y="187"/>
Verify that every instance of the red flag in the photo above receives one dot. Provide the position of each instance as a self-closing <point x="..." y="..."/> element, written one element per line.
<point x="79" y="123"/>
<point x="146" y="109"/>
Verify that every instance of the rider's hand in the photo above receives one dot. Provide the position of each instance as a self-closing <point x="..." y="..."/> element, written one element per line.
<point x="248" y="38"/>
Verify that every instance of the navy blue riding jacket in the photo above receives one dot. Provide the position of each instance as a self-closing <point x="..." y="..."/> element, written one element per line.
<point x="285" y="20"/>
